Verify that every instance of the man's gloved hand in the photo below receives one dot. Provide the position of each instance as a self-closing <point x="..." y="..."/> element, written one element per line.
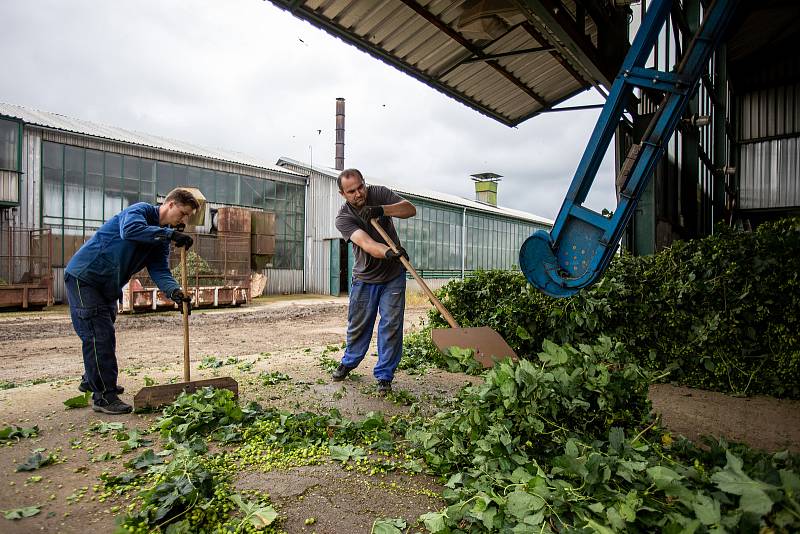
<point x="395" y="256"/>
<point x="179" y="297"/>
<point x="182" y="240"/>
<point x="368" y="213"/>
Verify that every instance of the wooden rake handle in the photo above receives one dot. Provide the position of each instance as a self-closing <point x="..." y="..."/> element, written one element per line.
<point x="185" y="306"/>
<point x="407" y="264"/>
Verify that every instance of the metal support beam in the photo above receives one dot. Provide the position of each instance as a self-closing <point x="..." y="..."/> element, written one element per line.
<point x="509" y="54"/>
<point x="475" y="50"/>
<point x="561" y="31"/>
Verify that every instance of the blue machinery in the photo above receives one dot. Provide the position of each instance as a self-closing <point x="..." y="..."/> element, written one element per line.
<point x="582" y="242"/>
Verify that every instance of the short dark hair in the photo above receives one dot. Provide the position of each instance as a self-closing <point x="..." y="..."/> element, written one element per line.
<point x="347" y="173"/>
<point x="183" y="197"/>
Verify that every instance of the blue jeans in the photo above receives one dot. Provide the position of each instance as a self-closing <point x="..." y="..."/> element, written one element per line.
<point x="93" y="318"/>
<point x="366" y="300"/>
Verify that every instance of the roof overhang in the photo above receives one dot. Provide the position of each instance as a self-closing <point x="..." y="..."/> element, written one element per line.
<point x="507" y="59"/>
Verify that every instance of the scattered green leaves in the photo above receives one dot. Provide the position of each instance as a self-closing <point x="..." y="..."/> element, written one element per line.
<point x="15" y="433"/>
<point x="19" y="513"/>
<point x="79" y="401"/>
<point x="36" y="460"/>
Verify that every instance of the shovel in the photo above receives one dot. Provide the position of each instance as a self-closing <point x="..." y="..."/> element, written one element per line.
<point x="489" y="347"/>
<point x="150" y="397"/>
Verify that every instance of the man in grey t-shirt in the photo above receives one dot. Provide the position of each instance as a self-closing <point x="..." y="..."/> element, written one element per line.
<point x="379" y="278"/>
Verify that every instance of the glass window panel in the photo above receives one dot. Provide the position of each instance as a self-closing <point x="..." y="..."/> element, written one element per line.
<point x="181" y="174"/>
<point x="113" y="165"/>
<point x="130" y="167"/>
<point x="113" y="186"/>
<point x="280" y="190"/>
<point x="270" y="189"/>
<point x="280" y="224"/>
<point x="147" y="170"/>
<point x="207" y="185"/>
<point x="130" y="190"/>
<point x="93" y="205"/>
<point x="73" y="182"/>
<point x="165" y="178"/>
<point x="195" y="177"/>
<point x="251" y="191"/>
<point x="227" y="188"/>
<point x="9" y="145"/>
<point x="52" y="179"/>
<point x="147" y="192"/>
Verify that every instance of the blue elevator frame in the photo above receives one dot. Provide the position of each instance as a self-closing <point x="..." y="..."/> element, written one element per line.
<point x="576" y="252"/>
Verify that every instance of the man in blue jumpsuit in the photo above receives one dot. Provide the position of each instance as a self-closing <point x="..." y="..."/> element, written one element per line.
<point x="137" y="237"/>
<point x="379" y="279"/>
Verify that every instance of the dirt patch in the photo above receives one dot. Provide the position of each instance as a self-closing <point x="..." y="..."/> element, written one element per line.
<point x="761" y="422"/>
<point x="40" y="355"/>
<point x="336" y="500"/>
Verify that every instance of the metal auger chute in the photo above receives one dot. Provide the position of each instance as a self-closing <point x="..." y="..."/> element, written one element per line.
<point x="576" y="252"/>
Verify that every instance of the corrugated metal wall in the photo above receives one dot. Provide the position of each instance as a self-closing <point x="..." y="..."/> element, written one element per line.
<point x="9" y="186"/>
<point x="769" y="151"/>
<point x="283" y="281"/>
<point x="769" y="174"/>
<point x="30" y="190"/>
<point x="322" y="205"/>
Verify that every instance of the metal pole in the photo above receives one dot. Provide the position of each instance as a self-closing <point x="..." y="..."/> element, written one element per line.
<point x="463" y="241"/>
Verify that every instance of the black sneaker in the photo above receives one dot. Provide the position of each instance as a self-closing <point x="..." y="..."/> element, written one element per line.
<point x="112" y="405"/>
<point x="384" y="387"/>
<point x="341" y="372"/>
<point x="83" y="387"/>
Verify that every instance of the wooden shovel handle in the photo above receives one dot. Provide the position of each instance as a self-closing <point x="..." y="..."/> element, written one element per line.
<point x="185" y="305"/>
<point x="436" y="302"/>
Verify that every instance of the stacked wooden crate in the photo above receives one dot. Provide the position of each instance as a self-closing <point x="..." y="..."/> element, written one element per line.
<point x="262" y="239"/>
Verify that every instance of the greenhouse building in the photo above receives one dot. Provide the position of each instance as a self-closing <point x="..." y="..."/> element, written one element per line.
<point x="62" y="178"/>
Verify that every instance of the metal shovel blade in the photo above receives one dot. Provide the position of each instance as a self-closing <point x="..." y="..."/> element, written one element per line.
<point x="151" y="397"/>
<point x="489" y="347"/>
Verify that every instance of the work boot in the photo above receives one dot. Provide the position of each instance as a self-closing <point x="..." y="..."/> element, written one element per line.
<point x="83" y="387"/>
<point x="341" y="372"/>
<point x="384" y="387"/>
<point x="111" y="405"/>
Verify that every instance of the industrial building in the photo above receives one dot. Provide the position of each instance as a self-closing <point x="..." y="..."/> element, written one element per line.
<point x="67" y="176"/>
<point x="448" y="238"/>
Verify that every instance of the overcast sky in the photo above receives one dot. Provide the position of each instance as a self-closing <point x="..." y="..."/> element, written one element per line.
<point x="246" y="76"/>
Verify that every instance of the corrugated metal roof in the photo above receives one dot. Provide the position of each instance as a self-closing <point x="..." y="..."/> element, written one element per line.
<point x="429" y="194"/>
<point x="508" y="59"/>
<point x="57" y="121"/>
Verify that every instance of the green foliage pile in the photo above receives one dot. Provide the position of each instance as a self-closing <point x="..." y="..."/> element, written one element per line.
<point x="556" y="447"/>
<point x="720" y="313"/>
<point x="187" y="488"/>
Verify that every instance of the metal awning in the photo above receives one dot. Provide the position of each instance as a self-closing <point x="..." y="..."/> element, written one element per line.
<point x="508" y="59"/>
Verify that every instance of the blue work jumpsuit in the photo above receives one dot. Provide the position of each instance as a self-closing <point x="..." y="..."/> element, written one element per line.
<point x="94" y="277"/>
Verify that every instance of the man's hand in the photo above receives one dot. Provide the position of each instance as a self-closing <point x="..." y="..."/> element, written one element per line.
<point x="395" y="256"/>
<point x="179" y="297"/>
<point x="367" y="213"/>
<point x="182" y="240"/>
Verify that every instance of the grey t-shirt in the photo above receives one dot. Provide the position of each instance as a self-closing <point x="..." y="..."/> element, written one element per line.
<point x="367" y="268"/>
